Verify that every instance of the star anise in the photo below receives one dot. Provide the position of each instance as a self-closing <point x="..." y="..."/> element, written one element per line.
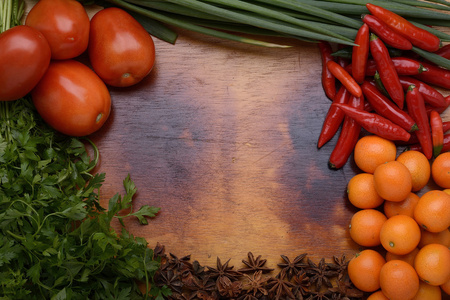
<point x="223" y="270"/>
<point x="207" y="296"/>
<point x="227" y="288"/>
<point x="302" y="285"/>
<point x="192" y="275"/>
<point x="204" y="283"/>
<point x="256" y="284"/>
<point x="170" y="279"/>
<point x="179" y="264"/>
<point x="292" y="268"/>
<point x="339" y="265"/>
<point x="345" y="288"/>
<point x="322" y="295"/>
<point x="320" y="274"/>
<point x="254" y="265"/>
<point x="278" y="287"/>
<point x="247" y="297"/>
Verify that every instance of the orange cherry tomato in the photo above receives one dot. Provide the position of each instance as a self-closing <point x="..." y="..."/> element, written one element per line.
<point x="72" y="99"/>
<point x="121" y="51"/>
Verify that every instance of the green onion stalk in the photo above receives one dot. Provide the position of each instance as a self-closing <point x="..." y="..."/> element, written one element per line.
<point x="335" y="21"/>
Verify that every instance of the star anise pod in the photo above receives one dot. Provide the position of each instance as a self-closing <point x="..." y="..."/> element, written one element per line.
<point x="254" y="264"/>
<point x="256" y="284"/>
<point x="247" y="297"/>
<point x="179" y="264"/>
<point x="170" y="279"/>
<point x="302" y="285"/>
<point x="339" y="265"/>
<point x="292" y="268"/>
<point x="204" y="283"/>
<point x="191" y="276"/>
<point x="223" y="270"/>
<point x="322" y="295"/>
<point x="345" y="288"/>
<point x="206" y="296"/>
<point x="278" y="287"/>
<point x="320" y="274"/>
<point x="227" y="288"/>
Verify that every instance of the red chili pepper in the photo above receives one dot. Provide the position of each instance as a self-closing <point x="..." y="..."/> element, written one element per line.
<point x="384" y="107"/>
<point x="345" y="78"/>
<point x="444" y="51"/>
<point x="385" y="33"/>
<point x="328" y="79"/>
<point x="446" y="126"/>
<point x="380" y="85"/>
<point x="435" y="75"/>
<point x="360" y="54"/>
<point x="437" y="132"/>
<point x="347" y="138"/>
<point x="429" y="108"/>
<point x="376" y="124"/>
<point x="334" y="117"/>
<point x="403" y="65"/>
<point x="445" y="145"/>
<point x="412" y="140"/>
<point x="416" y="109"/>
<point x="387" y="71"/>
<point x="430" y="94"/>
<point x="417" y="36"/>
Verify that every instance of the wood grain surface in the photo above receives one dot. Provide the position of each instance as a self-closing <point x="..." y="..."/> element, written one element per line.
<point x="222" y="136"/>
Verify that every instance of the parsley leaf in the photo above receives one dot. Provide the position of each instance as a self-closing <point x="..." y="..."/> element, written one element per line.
<point x="56" y="239"/>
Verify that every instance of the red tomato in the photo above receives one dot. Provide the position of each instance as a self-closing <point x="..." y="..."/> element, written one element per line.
<point x="64" y="23"/>
<point x="121" y="51"/>
<point x="72" y="98"/>
<point x="24" y="58"/>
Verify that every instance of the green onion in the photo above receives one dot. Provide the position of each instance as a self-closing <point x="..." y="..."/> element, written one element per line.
<point x="189" y="26"/>
<point x="308" y="7"/>
<point x="261" y="22"/>
<point x="335" y="21"/>
<point x="433" y="57"/>
<point x="423" y="4"/>
<point x="256" y="9"/>
<point x="442" y="35"/>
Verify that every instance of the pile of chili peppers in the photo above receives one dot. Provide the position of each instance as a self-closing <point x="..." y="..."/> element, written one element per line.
<point x="394" y="97"/>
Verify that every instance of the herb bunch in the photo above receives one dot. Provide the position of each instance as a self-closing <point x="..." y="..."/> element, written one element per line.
<point x="56" y="240"/>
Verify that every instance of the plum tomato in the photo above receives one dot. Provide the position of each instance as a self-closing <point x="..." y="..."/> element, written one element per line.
<point x="65" y="25"/>
<point x="121" y="51"/>
<point x="25" y="56"/>
<point x="71" y="98"/>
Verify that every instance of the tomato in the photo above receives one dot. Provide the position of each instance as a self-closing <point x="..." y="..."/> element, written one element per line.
<point x="64" y="23"/>
<point x="121" y="51"/>
<point x="72" y="99"/>
<point x="24" y="58"/>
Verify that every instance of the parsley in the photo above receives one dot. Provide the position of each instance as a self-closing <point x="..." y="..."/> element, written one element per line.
<point x="56" y="240"/>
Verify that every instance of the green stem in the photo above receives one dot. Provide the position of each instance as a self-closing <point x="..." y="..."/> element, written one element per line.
<point x="192" y="27"/>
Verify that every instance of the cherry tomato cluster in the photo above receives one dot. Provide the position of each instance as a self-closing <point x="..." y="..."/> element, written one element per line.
<point x="394" y="97"/>
<point x="41" y="58"/>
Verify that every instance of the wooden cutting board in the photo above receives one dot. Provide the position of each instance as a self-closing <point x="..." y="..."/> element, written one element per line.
<point x="222" y="136"/>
